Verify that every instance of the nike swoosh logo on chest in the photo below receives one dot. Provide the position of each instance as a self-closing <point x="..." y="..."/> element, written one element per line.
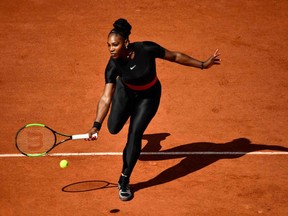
<point x="131" y="68"/>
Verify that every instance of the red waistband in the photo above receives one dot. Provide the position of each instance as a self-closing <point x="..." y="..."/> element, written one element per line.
<point x="142" y="87"/>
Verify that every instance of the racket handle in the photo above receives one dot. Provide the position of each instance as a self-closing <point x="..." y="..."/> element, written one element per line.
<point x="83" y="136"/>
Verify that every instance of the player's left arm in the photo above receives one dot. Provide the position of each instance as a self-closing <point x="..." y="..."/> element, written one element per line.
<point x="184" y="59"/>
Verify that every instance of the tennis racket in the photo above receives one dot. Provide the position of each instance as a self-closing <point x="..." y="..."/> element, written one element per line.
<point x="35" y="140"/>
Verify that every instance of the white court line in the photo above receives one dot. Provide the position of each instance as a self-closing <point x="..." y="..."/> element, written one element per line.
<point x="150" y="153"/>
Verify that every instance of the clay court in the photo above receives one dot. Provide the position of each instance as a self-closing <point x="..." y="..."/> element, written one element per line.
<point x="218" y="144"/>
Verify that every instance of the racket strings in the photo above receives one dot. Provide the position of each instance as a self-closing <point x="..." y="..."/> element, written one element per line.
<point x="35" y="140"/>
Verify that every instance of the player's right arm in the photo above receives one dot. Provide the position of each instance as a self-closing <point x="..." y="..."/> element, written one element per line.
<point x="104" y="102"/>
<point x="103" y="106"/>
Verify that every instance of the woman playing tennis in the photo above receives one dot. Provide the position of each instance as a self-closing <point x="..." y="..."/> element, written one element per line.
<point x="133" y="90"/>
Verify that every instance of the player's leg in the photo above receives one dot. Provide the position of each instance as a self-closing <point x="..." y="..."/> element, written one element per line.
<point x="120" y="109"/>
<point x="144" y="110"/>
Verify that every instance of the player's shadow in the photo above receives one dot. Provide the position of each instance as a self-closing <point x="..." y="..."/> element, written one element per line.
<point x="193" y="162"/>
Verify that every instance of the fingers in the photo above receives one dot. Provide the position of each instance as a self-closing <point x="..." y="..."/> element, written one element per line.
<point x="216" y="54"/>
<point x="93" y="136"/>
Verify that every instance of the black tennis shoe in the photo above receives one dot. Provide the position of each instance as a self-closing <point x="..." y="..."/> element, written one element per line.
<point x="125" y="193"/>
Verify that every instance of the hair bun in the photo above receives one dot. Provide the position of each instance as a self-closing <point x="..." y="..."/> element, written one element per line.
<point x="121" y="25"/>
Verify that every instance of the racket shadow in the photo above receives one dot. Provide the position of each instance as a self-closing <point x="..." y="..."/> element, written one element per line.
<point x="86" y="186"/>
<point x="193" y="162"/>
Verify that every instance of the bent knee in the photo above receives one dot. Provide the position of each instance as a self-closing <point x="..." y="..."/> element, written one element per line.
<point x="113" y="130"/>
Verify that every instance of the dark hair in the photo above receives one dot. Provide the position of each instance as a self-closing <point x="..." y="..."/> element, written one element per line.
<point x="121" y="27"/>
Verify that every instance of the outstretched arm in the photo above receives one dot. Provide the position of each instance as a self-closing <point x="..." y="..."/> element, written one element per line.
<point x="103" y="107"/>
<point x="184" y="59"/>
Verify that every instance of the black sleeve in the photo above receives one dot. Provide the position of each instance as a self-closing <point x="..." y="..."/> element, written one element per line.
<point x="156" y="50"/>
<point x="111" y="72"/>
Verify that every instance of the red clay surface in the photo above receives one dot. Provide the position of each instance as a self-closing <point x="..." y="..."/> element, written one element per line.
<point x="53" y="56"/>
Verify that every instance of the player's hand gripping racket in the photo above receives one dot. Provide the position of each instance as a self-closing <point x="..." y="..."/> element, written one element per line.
<point x="35" y="140"/>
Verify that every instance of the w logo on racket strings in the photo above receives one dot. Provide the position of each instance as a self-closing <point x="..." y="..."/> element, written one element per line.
<point x="35" y="140"/>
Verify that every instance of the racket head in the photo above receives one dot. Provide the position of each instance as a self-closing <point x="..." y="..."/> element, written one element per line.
<point x="35" y="140"/>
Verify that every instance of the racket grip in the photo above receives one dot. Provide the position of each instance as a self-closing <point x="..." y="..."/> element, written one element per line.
<point x="83" y="136"/>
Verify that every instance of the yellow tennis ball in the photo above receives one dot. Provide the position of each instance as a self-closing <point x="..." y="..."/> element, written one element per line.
<point x="63" y="163"/>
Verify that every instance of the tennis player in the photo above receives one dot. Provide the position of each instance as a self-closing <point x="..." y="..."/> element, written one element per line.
<point x="133" y="90"/>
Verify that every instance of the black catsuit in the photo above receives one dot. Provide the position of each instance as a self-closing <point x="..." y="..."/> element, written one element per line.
<point x="129" y="101"/>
